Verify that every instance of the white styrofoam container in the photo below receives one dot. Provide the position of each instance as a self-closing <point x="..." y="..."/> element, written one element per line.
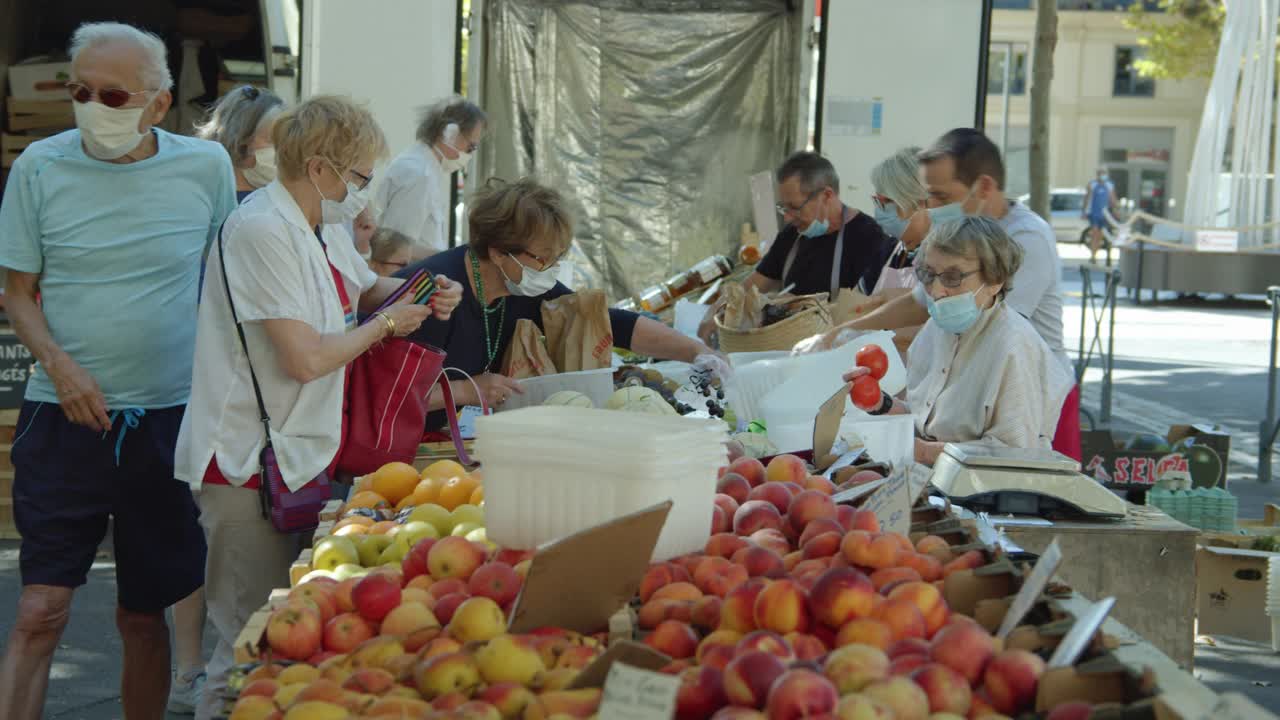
<point x="553" y="471"/>
<point x="39" y="81"/>
<point x="595" y="384"/>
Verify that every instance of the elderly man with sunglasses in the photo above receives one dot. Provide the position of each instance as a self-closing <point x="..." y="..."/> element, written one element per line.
<point x="102" y="230"/>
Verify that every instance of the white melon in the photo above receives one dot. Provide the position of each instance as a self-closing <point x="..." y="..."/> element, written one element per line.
<point x="569" y="398"/>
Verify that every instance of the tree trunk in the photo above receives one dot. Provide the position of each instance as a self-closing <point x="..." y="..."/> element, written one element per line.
<point x="1046" y="41"/>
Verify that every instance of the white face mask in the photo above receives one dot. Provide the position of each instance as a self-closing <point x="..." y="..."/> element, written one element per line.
<point x="337" y="212"/>
<point x="264" y="167"/>
<point x="456" y="164"/>
<point x="109" y="133"/>
<point x="532" y="282"/>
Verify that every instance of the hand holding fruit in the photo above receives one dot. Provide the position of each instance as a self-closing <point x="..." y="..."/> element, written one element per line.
<point x="873" y="364"/>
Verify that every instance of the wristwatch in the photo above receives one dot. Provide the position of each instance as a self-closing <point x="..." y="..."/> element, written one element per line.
<point x="886" y="404"/>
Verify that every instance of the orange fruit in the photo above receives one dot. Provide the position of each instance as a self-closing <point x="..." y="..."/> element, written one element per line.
<point x="443" y="470"/>
<point x="456" y="491"/>
<point x="428" y="491"/>
<point x="477" y="495"/>
<point x="366" y="499"/>
<point x="382" y="528"/>
<point x="394" y="481"/>
<point x="362" y="483"/>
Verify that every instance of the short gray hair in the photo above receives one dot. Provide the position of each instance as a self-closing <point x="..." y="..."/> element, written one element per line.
<point x="154" y="73"/>
<point x="237" y="117"/>
<point x="999" y="257"/>
<point x="815" y="172"/>
<point x="897" y="177"/>
<point x="452" y="110"/>
<point x="386" y="242"/>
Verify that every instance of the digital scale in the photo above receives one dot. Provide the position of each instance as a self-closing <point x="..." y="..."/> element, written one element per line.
<point x="1020" y="481"/>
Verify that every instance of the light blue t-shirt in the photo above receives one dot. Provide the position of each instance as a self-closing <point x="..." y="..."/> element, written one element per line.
<point x="118" y="249"/>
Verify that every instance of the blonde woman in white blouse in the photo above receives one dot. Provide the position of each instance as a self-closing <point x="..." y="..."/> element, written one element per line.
<point x="978" y="371"/>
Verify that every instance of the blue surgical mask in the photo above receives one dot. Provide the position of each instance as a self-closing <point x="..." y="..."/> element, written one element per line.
<point x="816" y="229"/>
<point x="950" y="211"/>
<point x="889" y="221"/>
<point x="956" y="313"/>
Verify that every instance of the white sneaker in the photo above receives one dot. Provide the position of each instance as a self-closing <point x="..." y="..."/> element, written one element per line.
<point x="184" y="693"/>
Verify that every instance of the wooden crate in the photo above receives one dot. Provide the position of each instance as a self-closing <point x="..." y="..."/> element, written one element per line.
<point x="253" y="636"/>
<point x="39" y="115"/>
<point x="11" y="146"/>
<point x="300" y="567"/>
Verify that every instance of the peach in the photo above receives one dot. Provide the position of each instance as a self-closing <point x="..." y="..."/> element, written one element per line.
<point x="801" y="694"/>
<point x="791" y="559"/>
<point x="657" y="576"/>
<point x="265" y="687"/>
<point x="774" y="494"/>
<point x="655" y="611"/>
<point x="705" y="613"/>
<point x="903" y="541"/>
<point x="909" y="646"/>
<point x="853" y="545"/>
<point x="824" y="546"/>
<point x="965" y="648"/>
<point x="738" y="611"/>
<point x="930" y="544"/>
<point x="773" y="539"/>
<point x="1011" y="680"/>
<point x="845" y="515"/>
<point x="707" y="568"/>
<point x="766" y="641"/>
<point x="733" y="712"/>
<point x="701" y="693"/>
<point x="902" y="696"/>
<point x="970" y="560"/>
<point x="717" y="656"/>
<point x="866" y="631"/>
<point x="750" y="469"/>
<point x="564" y="703"/>
<point x="807" y="506"/>
<point x="685" y="591"/>
<point x="981" y="708"/>
<point x="718" y="638"/>
<point x="786" y="468"/>
<point x="761" y="562"/>
<point x="256" y="707"/>
<point x="880" y="551"/>
<point x="819" y="527"/>
<point x="928" y="567"/>
<point x="720" y="522"/>
<point x="724" y="545"/>
<point x="749" y="676"/>
<point x="735" y="486"/>
<point x="885" y="577"/>
<point x="907" y="664"/>
<point x="841" y="595"/>
<point x="682" y="567"/>
<point x="811" y="566"/>
<point x="928" y="600"/>
<point x="398" y="707"/>
<point x="756" y="515"/>
<point x="807" y="647"/>
<point x="867" y="521"/>
<point x="673" y="638"/>
<point x="903" y="618"/>
<point x="947" y="691"/>
<point x="821" y="484"/>
<point x="853" y="667"/>
<point x="728" y="504"/>
<point x="859" y="707"/>
<point x="721" y="584"/>
<point x="782" y="607"/>
<point x="1074" y="710"/>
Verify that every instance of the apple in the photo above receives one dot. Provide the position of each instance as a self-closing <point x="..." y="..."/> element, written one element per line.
<point x="446" y="674"/>
<point x="375" y="595"/>
<point x="319" y="595"/>
<point x="454" y="557"/>
<point x="507" y="658"/>
<point x="294" y="632"/>
<point x="408" y="618"/>
<point x="346" y="631"/>
<point x="496" y="581"/>
<point x="509" y="698"/>
<point x="333" y="551"/>
<point x="477" y="619"/>
<point x="413" y="531"/>
<point x="466" y="514"/>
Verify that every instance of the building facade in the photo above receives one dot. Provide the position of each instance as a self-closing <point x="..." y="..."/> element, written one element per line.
<point x="1103" y="114"/>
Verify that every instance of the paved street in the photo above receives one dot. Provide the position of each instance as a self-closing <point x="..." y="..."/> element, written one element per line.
<point x="1175" y="362"/>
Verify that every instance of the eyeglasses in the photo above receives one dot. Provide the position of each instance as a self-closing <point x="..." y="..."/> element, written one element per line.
<point x="949" y="278"/>
<point x="364" y="179"/>
<point x="111" y="97"/>
<point x="543" y="263"/>
<point x="787" y="210"/>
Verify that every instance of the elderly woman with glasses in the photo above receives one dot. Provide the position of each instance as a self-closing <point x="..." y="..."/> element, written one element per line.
<point x="978" y="370"/>
<point x="519" y="232"/>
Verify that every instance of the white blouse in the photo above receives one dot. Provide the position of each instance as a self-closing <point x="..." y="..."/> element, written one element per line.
<point x="997" y="382"/>
<point x="413" y="198"/>
<point x="277" y="269"/>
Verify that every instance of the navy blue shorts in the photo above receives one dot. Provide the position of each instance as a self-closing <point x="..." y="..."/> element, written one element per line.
<point x="1098" y="221"/>
<point x="68" y="482"/>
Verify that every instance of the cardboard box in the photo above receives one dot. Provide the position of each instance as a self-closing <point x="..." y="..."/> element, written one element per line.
<point x="39" y="81"/>
<point x="1231" y="593"/>
<point x="1114" y="467"/>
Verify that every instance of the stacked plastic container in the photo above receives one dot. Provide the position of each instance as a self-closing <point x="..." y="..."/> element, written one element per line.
<point x="1273" y="600"/>
<point x="1211" y="509"/>
<point x="550" y="472"/>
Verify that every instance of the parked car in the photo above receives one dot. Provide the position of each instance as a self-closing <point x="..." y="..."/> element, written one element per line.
<point x="1065" y="206"/>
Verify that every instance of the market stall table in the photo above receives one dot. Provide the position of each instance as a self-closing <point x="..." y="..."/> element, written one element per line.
<point x="1146" y="561"/>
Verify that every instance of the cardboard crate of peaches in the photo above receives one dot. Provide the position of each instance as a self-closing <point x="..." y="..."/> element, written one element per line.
<point x="802" y="607"/>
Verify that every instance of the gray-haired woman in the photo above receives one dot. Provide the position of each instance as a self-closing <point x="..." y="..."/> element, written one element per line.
<point x="978" y="371"/>
<point x="899" y="197"/>
<point x="414" y="197"/>
<point x="241" y="122"/>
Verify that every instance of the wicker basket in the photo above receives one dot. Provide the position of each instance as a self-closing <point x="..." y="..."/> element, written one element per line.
<point x="782" y="335"/>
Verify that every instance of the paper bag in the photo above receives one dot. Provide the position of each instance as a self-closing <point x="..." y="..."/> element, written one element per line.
<point x="842" y="310"/>
<point x="527" y="355"/>
<point x="579" y="334"/>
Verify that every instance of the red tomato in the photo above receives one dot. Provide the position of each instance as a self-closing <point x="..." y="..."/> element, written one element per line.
<point x="874" y="359"/>
<point x="865" y="393"/>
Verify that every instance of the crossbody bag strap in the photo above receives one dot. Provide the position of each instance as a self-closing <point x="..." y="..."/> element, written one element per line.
<point x="253" y="377"/>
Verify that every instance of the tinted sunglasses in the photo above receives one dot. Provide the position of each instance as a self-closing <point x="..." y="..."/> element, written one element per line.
<point x="111" y="97"/>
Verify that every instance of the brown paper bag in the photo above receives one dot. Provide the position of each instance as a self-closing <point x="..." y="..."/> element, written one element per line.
<point x="842" y="310"/>
<point x="527" y="355"/>
<point x="579" y="334"/>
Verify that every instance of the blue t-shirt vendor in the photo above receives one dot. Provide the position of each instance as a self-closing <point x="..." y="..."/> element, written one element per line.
<point x="519" y="232"/>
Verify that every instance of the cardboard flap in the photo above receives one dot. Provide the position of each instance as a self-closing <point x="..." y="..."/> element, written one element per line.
<point x="1081" y="634"/>
<point x="580" y="581"/>
<point x="826" y="427"/>
<point x="631" y="653"/>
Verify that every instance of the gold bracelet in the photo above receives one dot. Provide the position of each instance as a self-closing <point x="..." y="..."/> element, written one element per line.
<point x="391" y="324"/>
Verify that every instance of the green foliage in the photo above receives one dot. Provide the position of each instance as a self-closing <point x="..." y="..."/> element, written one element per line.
<point x="1181" y="41"/>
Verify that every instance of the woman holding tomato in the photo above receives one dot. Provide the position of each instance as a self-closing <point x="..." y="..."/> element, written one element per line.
<point x="977" y="371"/>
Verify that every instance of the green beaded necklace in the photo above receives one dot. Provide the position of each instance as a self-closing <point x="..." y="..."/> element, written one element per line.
<point x="490" y="342"/>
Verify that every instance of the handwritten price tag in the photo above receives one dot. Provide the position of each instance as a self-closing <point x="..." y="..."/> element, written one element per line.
<point x="892" y="504"/>
<point x="634" y="694"/>
<point x="467" y="421"/>
<point x="1032" y="588"/>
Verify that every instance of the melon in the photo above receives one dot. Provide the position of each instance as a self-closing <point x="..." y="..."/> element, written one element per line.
<point x="570" y="398"/>
<point x="639" y="400"/>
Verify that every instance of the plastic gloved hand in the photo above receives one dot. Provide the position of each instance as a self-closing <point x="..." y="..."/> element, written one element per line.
<point x="811" y="344"/>
<point x="717" y="364"/>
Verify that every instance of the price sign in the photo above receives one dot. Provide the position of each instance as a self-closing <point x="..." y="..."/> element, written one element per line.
<point x="892" y="504"/>
<point x="1078" y="637"/>
<point x="1031" y="589"/>
<point x="467" y="421"/>
<point x="634" y="694"/>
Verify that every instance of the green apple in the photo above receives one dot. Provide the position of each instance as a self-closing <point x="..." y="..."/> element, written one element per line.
<point x="413" y="531"/>
<point x="480" y="535"/>
<point x="347" y="571"/>
<point x="333" y="551"/>
<point x="434" y="515"/>
<point x="465" y="514"/>
<point x="464" y="528"/>
<point x="371" y="546"/>
<point x="392" y="555"/>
